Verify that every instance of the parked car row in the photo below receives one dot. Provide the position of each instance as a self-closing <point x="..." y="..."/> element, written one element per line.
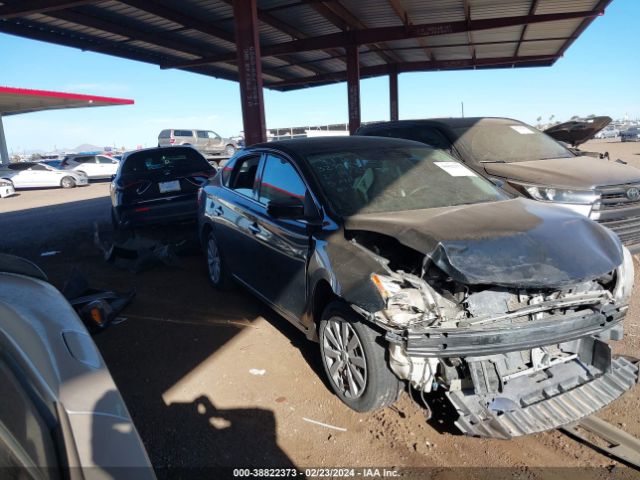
<point x="630" y="135"/>
<point x="40" y="175"/>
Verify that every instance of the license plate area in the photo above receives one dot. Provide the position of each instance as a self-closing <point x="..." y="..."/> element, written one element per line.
<point x="166" y="187"/>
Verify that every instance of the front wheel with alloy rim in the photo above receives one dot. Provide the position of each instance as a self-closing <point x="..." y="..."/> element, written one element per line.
<point x="354" y="360"/>
<point x="215" y="265"/>
<point x="67" y="182"/>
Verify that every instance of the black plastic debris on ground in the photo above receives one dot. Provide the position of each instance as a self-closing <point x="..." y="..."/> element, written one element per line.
<point x="135" y="251"/>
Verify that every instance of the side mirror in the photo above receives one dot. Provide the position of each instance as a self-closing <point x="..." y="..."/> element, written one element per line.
<point x="291" y="208"/>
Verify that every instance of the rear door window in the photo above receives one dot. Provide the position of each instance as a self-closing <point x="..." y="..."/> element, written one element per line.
<point x="165" y="134"/>
<point x="243" y="176"/>
<point x="105" y="160"/>
<point x="202" y="134"/>
<point x="280" y="181"/>
<point x="182" y="133"/>
<point x="427" y="135"/>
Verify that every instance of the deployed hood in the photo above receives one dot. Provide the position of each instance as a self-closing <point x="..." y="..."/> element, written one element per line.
<point x="515" y="243"/>
<point x="583" y="173"/>
<point x="576" y="132"/>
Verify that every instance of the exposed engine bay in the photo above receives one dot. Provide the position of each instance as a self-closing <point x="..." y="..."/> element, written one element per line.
<point x="512" y="361"/>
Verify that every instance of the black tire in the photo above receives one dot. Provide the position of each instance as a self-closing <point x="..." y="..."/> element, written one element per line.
<point x="68" y="182"/>
<point x="381" y="387"/>
<point x="230" y="150"/>
<point x="221" y="279"/>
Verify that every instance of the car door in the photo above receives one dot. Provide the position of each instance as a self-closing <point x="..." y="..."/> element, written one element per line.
<point x="216" y="143"/>
<point x="233" y="212"/>
<point x="202" y="141"/>
<point x="41" y="176"/>
<point x="86" y="164"/>
<point x="107" y="166"/>
<point x="281" y="245"/>
<point x="21" y="176"/>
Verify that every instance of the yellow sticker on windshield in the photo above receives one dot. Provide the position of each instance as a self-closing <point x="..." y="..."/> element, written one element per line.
<point x="455" y="169"/>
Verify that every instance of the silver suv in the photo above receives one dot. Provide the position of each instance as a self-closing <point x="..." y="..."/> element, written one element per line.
<point x="207" y="142"/>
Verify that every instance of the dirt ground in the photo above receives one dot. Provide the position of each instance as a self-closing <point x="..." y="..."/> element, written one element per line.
<point x="219" y="379"/>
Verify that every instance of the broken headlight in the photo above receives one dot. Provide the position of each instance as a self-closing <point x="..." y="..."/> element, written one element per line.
<point x="625" y="275"/>
<point x="404" y="304"/>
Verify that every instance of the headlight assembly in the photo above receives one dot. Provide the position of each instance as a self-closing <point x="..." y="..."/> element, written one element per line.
<point x="560" y="195"/>
<point x="403" y="304"/>
<point x="625" y="276"/>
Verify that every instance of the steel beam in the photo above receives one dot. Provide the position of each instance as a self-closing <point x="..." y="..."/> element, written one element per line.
<point x="426" y="66"/>
<point x="20" y="9"/>
<point x="245" y="13"/>
<point x="353" y="87"/>
<point x="532" y="11"/>
<point x="393" y="94"/>
<point x="382" y="34"/>
<point x="4" y="153"/>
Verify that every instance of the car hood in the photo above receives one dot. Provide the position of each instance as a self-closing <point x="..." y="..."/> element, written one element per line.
<point x="515" y="243"/>
<point x="576" y="132"/>
<point x="582" y="173"/>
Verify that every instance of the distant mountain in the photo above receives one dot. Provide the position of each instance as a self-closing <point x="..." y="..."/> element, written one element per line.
<point x="87" y="147"/>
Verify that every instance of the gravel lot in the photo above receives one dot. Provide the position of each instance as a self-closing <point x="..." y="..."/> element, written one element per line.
<point x="184" y="356"/>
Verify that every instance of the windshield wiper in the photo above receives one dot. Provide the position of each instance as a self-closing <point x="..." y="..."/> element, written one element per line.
<point x="492" y="161"/>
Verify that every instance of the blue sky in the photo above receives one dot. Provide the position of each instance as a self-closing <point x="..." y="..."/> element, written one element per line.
<point x="600" y="74"/>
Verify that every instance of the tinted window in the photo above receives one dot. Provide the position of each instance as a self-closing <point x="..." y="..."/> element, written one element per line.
<point x="500" y="142"/>
<point x="394" y="179"/>
<point x="165" y="134"/>
<point x="244" y="175"/>
<point x="213" y="135"/>
<point x="202" y="134"/>
<point x="172" y="160"/>
<point x="280" y="181"/>
<point x="84" y="159"/>
<point x="182" y="133"/>
<point x="104" y="160"/>
<point x="428" y="135"/>
<point x="19" y="166"/>
<point x="37" y="166"/>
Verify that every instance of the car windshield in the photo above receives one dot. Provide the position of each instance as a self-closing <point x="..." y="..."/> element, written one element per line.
<point x="181" y="161"/>
<point x="374" y="180"/>
<point x="507" y="143"/>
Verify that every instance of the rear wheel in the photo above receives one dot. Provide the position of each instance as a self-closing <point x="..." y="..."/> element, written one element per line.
<point x="354" y="361"/>
<point x="67" y="182"/>
<point x="218" y="275"/>
<point x="230" y="150"/>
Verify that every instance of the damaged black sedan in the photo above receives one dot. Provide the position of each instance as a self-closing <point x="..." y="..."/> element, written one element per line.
<point x="407" y="267"/>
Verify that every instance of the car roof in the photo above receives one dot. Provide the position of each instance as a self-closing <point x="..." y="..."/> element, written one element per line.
<point x="305" y="146"/>
<point x="452" y="122"/>
<point x="172" y="148"/>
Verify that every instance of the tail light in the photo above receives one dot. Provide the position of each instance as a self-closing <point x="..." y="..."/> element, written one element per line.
<point x="172" y="141"/>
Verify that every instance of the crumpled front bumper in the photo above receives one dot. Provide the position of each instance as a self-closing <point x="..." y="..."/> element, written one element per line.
<point x="557" y="410"/>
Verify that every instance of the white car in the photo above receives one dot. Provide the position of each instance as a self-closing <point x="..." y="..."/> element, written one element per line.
<point x="6" y="189"/>
<point x="94" y="166"/>
<point x="34" y="175"/>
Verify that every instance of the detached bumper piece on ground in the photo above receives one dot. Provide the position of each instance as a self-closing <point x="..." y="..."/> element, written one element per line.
<point x="559" y="402"/>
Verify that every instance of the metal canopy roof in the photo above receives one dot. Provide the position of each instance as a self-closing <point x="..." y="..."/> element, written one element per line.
<point x="302" y="41"/>
<point x="20" y="100"/>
